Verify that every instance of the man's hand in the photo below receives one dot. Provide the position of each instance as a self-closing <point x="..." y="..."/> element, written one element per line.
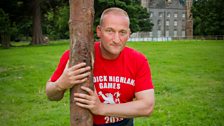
<point x="74" y="75"/>
<point x="142" y="106"/>
<point x="89" y="101"/>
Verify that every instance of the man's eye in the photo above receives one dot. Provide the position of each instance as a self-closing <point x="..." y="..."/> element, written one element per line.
<point x="123" y="33"/>
<point x="109" y="30"/>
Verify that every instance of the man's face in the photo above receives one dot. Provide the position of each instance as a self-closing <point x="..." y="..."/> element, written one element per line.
<point x="113" y="33"/>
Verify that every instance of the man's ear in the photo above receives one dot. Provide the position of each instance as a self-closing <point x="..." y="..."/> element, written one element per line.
<point x="129" y="33"/>
<point x="98" y="31"/>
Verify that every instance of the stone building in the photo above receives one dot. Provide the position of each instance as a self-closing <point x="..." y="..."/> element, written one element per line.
<point x="171" y="19"/>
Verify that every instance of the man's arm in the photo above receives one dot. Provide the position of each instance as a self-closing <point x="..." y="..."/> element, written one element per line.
<point x="142" y="106"/>
<point x="53" y="91"/>
<point x="76" y="74"/>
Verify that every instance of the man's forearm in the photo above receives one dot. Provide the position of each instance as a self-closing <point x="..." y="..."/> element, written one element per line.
<point x="128" y="110"/>
<point x="54" y="92"/>
<point x="136" y="108"/>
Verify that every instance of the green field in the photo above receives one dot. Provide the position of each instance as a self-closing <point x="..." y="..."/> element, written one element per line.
<point x="188" y="77"/>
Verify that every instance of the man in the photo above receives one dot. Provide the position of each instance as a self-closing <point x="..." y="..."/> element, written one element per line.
<point x="122" y="78"/>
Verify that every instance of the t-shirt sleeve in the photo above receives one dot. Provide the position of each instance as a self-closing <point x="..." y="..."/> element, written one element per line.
<point x="61" y="66"/>
<point x="143" y="76"/>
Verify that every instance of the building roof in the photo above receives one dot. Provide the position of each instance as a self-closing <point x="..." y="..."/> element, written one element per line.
<point x="164" y="4"/>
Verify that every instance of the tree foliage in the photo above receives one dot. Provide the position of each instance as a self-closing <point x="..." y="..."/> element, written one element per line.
<point x="5" y="27"/>
<point x="16" y="17"/>
<point x="56" y="25"/>
<point x="55" y="16"/>
<point x="59" y="17"/>
<point x="208" y="17"/>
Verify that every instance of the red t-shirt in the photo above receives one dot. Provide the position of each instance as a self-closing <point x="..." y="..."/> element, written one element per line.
<point x="116" y="81"/>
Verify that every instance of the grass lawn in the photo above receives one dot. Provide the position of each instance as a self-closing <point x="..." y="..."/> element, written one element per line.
<point x="188" y="77"/>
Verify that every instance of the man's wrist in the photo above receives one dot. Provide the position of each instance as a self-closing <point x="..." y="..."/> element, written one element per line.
<point x="58" y="87"/>
<point x="103" y="108"/>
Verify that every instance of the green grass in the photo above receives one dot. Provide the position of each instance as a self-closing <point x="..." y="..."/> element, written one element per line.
<point x="188" y="77"/>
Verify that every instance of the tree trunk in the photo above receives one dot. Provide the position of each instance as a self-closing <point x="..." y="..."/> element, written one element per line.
<point x="37" y="37"/>
<point x="81" y="50"/>
<point x="5" y="40"/>
<point x="189" y="22"/>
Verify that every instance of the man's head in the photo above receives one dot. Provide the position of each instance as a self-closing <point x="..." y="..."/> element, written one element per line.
<point x="114" y="10"/>
<point x="113" y="32"/>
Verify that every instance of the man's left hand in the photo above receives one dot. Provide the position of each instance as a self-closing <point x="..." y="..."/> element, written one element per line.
<point x="89" y="101"/>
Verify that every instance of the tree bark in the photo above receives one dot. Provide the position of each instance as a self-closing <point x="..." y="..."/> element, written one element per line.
<point x="37" y="36"/>
<point x="5" y="40"/>
<point x="81" y="50"/>
<point x="189" y="22"/>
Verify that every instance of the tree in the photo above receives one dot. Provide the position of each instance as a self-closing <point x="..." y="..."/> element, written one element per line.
<point x="8" y="16"/>
<point x="55" y="21"/>
<point x="19" y="13"/>
<point x="4" y="29"/>
<point x="56" y="26"/>
<point x="208" y="17"/>
<point x="37" y="36"/>
<point x="81" y="50"/>
<point x="50" y="17"/>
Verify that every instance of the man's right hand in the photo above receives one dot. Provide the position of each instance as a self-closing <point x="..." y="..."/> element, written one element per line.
<point x="76" y="74"/>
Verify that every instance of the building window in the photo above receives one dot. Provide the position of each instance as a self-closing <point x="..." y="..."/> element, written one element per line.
<point x="183" y="33"/>
<point x="175" y="23"/>
<point x="169" y="1"/>
<point x="175" y="33"/>
<point x="167" y="23"/>
<point x="151" y="14"/>
<point x="159" y="33"/>
<point x="167" y="33"/>
<point x="159" y="23"/>
<point x="168" y="14"/>
<point x="150" y="34"/>
<point x="175" y="14"/>
<point x="160" y="14"/>
<point x="183" y="15"/>
<point x="183" y="24"/>
<point x="167" y="27"/>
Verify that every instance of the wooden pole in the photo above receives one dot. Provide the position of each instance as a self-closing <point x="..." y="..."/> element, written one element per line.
<point x="81" y="50"/>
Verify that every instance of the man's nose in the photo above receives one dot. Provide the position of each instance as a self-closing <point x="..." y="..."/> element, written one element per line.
<point x="116" y="38"/>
